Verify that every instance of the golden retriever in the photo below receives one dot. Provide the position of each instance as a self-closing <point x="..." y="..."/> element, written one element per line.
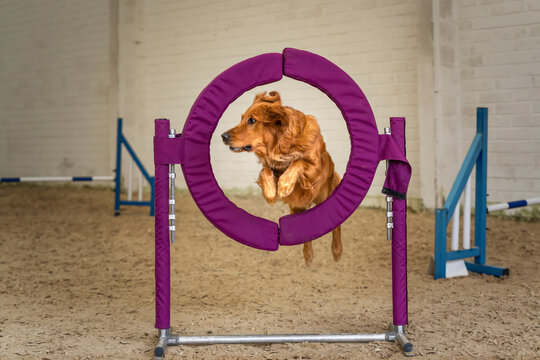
<point x="296" y="168"/>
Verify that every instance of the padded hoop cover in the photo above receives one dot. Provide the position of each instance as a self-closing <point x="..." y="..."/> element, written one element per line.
<point x="334" y="82"/>
<point x="297" y="228"/>
<point x="201" y="122"/>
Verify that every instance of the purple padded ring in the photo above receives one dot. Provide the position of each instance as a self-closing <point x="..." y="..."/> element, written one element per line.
<point x="295" y="228"/>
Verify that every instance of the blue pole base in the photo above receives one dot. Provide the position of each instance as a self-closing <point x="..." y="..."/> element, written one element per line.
<point x="487" y="269"/>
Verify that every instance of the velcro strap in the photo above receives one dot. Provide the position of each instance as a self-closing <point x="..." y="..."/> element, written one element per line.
<point x="168" y="151"/>
<point x="399" y="169"/>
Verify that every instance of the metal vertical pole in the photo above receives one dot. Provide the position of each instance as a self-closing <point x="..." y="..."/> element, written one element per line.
<point x="481" y="186"/>
<point x="118" y="169"/>
<point x="172" y="200"/>
<point x="389" y="199"/>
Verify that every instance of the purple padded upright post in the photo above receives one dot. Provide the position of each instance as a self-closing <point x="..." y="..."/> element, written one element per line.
<point x="162" y="254"/>
<point x="399" y="235"/>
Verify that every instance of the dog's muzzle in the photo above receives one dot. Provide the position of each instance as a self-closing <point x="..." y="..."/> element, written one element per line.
<point x="240" y="149"/>
<point x="226" y="137"/>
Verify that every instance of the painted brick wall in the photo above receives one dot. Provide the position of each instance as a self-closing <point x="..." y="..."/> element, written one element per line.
<point x="499" y="58"/>
<point x="185" y="44"/>
<point x="448" y="134"/>
<point x="55" y="88"/>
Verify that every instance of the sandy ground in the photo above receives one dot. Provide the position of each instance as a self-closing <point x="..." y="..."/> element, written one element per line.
<point x="77" y="283"/>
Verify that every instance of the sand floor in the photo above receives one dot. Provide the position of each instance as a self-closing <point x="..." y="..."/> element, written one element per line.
<point x="78" y="283"/>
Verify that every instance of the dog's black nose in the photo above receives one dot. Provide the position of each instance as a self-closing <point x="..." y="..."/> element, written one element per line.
<point x="226" y="137"/>
<point x="247" y="148"/>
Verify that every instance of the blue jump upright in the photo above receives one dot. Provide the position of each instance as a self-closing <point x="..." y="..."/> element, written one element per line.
<point x="121" y="140"/>
<point x="477" y="155"/>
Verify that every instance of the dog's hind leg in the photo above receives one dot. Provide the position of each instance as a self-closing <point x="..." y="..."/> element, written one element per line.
<point x="337" y="248"/>
<point x="308" y="253"/>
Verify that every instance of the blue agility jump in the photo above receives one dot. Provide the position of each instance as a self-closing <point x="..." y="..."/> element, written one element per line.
<point x="120" y="140"/>
<point x="477" y="155"/>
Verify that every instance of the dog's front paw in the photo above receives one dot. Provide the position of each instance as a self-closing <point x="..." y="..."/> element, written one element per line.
<point x="285" y="186"/>
<point x="267" y="182"/>
<point x="269" y="194"/>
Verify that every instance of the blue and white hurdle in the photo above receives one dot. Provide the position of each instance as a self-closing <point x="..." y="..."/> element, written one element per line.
<point x="55" y="178"/>
<point x="450" y="263"/>
<point x="513" y="204"/>
<point x="121" y="140"/>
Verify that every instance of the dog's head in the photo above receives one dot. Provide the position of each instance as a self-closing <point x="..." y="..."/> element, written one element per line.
<point x="260" y="125"/>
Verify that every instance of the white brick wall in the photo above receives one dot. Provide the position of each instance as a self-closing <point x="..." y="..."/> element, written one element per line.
<point x="55" y="88"/>
<point x="499" y="57"/>
<point x="447" y="101"/>
<point x="62" y="84"/>
<point x="487" y="55"/>
<point x="186" y="44"/>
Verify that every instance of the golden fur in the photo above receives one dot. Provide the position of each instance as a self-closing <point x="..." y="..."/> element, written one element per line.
<point x="296" y="168"/>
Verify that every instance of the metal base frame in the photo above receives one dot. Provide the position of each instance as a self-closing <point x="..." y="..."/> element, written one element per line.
<point x="395" y="333"/>
<point x="396" y="221"/>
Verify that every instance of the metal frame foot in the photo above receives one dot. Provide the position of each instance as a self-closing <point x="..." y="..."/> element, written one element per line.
<point x="401" y="339"/>
<point x="165" y="339"/>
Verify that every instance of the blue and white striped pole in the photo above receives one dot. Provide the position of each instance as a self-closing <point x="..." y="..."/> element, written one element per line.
<point x="513" y="204"/>
<point x="120" y="140"/>
<point x="57" y="178"/>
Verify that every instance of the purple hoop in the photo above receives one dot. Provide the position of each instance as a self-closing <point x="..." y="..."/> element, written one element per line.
<point x="297" y="228"/>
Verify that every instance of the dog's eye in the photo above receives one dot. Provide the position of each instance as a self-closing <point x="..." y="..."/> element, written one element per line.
<point x="251" y="121"/>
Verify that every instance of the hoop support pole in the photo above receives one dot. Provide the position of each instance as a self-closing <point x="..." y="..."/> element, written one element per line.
<point x="399" y="238"/>
<point x="162" y="252"/>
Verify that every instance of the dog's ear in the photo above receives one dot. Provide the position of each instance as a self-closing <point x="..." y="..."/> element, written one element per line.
<point x="276" y="114"/>
<point x="271" y="98"/>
